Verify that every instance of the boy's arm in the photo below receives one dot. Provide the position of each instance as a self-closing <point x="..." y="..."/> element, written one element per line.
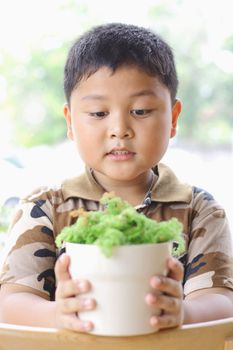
<point x="23" y="305"/>
<point x="20" y="305"/>
<point x="208" y="304"/>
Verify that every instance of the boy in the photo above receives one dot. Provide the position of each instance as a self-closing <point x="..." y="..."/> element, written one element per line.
<point x="120" y="84"/>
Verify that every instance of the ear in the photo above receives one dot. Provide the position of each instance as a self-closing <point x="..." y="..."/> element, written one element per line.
<point x="67" y="115"/>
<point x="176" y="109"/>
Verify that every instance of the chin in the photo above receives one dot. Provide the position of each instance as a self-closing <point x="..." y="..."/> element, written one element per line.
<point x="122" y="176"/>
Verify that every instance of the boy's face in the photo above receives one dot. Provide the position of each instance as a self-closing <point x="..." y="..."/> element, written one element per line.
<point x="121" y="122"/>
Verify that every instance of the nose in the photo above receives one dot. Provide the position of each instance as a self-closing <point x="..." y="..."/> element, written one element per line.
<point x="120" y="128"/>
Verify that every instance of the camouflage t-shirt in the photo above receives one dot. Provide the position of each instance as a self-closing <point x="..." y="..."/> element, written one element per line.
<point x="30" y="253"/>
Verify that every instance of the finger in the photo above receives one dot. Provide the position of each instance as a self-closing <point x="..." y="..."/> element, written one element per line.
<point x="176" y="269"/>
<point x="165" y="321"/>
<point x="167" y="285"/>
<point x="62" y="268"/>
<point x="72" y="322"/>
<point x="165" y="303"/>
<point x="69" y="288"/>
<point x="75" y="305"/>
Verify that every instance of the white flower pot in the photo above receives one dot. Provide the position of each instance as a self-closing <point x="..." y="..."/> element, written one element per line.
<point x="119" y="285"/>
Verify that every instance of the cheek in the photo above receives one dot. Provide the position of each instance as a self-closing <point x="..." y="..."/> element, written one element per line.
<point x="157" y="130"/>
<point x="87" y="140"/>
<point x="156" y="138"/>
<point x="81" y="132"/>
<point x="85" y="148"/>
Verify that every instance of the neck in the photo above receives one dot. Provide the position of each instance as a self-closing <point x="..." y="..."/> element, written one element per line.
<point x="133" y="192"/>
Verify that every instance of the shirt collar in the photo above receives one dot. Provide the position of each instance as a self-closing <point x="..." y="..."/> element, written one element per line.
<point x="166" y="189"/>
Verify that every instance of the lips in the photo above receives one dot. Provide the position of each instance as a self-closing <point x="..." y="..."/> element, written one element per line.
<point x="120" y="154"/>
<point x="120" y="151"/>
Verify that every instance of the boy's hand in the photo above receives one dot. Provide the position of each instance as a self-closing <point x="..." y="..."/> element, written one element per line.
<point x="170" y="301"/>
<point x="68" y="300"/>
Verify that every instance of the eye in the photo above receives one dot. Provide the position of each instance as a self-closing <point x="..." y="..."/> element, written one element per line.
<point x="98" y="115"/>
<point x="140" y="112"/>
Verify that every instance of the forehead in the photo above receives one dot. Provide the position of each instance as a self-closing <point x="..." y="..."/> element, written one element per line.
<point x="126" y="81"/>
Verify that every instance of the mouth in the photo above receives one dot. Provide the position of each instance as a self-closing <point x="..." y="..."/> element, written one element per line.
<point x="120" y="154"/>
<point x="120" y="151"/>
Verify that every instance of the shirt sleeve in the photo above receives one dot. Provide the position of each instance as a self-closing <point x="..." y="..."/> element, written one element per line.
<point x="30" y="251"/>
<point x="209" y="260"/>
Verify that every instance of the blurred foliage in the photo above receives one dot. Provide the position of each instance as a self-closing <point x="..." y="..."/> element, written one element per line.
<point x="205" y="89"/>
<point x="228" y="44"/>
<point x="34" y="90"/>
<point x="35" y="96"/>
<point x="5" y="213"/>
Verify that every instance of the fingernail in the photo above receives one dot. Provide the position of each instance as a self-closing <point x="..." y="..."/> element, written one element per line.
<point x="155" y="281"/>
<point x="150" y="299"/>
<point x="82" y="286"/>
<point x="87" y="326"/>
<point x="154" y="321"/>
<point x="88" y="303"/>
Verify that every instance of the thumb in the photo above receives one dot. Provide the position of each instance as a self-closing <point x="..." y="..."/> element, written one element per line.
<point x="176" y="269"/>
<point x="62" y="268"/>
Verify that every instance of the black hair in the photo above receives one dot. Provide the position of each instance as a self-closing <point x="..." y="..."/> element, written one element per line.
<point x="114" y="45"/>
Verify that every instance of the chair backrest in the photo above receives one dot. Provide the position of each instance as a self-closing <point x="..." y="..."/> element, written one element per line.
<point x="215" y="335"/>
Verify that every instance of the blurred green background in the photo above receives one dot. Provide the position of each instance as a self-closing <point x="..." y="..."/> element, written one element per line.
<point x="35" y="37"/>
<point x="34" y="40"/>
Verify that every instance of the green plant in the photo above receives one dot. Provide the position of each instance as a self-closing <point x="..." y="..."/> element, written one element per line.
<point x="120" y="224"/>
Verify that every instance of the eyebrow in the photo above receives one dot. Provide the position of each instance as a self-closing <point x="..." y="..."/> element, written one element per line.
<point x="136" y="94"/>
<point x="94" y="97"/>
<point x="144" y="93"/>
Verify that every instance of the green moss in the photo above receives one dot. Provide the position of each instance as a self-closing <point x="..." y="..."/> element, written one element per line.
<point x="120" y="224"/>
